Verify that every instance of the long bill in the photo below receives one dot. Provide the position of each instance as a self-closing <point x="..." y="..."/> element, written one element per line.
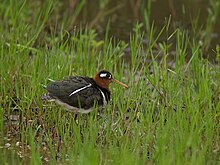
<point x="120" y="83"/>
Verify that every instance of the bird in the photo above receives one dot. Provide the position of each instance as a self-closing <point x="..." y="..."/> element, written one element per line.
<point x="80" y="94"/>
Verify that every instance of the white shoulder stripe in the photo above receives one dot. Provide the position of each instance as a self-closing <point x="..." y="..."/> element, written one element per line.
<point x="78" y="90"/>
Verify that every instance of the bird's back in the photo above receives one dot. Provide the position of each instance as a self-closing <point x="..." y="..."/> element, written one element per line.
<point x="77" y="92"/>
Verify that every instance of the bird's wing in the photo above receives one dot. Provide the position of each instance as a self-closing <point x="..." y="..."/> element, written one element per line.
<point x="75" y="91"/>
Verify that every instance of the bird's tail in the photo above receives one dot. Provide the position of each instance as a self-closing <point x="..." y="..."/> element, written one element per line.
<point x="46" y="97"/>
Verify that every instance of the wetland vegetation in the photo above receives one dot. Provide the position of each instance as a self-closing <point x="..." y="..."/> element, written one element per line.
<point x="169" y="115"/>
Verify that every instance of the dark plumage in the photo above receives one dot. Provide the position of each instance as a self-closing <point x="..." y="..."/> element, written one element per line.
<point x="79" y="94"/>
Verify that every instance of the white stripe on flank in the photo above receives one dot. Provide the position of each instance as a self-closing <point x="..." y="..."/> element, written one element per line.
<point x="103" y="98"/>
<point x="78" y="90"/>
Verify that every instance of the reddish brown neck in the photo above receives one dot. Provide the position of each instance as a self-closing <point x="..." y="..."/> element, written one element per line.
<point x="103" y="83"/>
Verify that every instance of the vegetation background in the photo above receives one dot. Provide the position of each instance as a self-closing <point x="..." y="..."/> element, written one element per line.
<point x="167" y="52"/>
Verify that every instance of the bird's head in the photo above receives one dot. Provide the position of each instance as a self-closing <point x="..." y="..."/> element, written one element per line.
<point x="104" y="78"/>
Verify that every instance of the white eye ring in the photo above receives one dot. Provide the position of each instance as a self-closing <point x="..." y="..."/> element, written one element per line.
<point x="103" y="75"/>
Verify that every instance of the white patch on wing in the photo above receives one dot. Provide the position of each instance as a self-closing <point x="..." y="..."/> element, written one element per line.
<point x="103" y="75"/>
<point x="78" y="90"/>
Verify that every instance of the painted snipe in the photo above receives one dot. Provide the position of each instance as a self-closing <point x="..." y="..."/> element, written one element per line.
<point x="79" y="94"/>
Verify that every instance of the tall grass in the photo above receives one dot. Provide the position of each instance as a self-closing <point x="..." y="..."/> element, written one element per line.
<point x="169" y="116"/>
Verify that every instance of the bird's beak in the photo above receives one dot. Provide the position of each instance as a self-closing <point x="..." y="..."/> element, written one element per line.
<point x="120" y="83"/>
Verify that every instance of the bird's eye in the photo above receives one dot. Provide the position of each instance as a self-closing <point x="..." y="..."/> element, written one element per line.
<point x="109" y="76"/>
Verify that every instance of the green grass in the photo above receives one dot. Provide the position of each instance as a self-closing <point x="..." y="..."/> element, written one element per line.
<point x="171" y="116"/>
